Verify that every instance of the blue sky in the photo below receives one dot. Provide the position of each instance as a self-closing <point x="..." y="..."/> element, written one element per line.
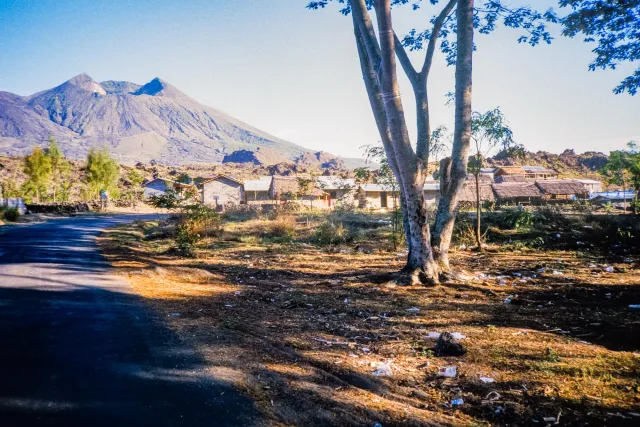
<point x="295" y="73"/>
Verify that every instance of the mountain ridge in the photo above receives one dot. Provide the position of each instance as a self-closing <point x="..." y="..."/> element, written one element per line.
<point x="138" y="123"/>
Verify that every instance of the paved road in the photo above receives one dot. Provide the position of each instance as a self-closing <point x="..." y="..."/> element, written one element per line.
<point x="78" y="348"/>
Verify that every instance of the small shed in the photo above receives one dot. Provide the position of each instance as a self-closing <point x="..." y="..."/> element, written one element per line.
<point x="520" y="193"/>
<point x="222" y="191"/>
<point x="256" y="191"/>
<point x="378" y="196"/>
<point x="562" y="189"/>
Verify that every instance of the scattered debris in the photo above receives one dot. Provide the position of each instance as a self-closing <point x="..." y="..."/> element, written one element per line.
<point x="634" y="306"/>
<point x="449" y="372"/>
<point x="174" y="315"/>
<point x="383" y="369"/>
<point x="413" y="309"/>
<point x="448" y="345"/>
<point x="608" y="269"/>
<point x="487" y="380"/>
<point x="557" y="273"/>
<point x="508" y="299"/>
<point x="457" y="402"/>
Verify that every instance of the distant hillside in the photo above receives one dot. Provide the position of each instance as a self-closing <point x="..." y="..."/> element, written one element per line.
<point x="568" y="164"/>
<point x="139" y="123"/>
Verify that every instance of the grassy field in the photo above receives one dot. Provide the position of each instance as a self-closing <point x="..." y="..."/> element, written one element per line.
<point x="322" y="335"/>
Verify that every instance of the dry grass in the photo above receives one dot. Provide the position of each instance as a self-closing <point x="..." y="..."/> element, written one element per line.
<point x="302" y="330"/>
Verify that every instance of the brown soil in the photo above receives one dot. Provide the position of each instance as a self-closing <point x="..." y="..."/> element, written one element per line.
<point x="302" y="329"/>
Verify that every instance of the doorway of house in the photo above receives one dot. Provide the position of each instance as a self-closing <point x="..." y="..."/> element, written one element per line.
<point x="383" y="199"/>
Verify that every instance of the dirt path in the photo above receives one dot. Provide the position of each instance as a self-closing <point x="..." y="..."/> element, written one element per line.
<point x="79" y="348"/>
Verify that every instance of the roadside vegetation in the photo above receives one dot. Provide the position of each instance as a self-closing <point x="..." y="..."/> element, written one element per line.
<point x="302" y="312"/>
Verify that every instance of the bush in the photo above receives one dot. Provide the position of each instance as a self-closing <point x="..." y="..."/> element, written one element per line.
<point x="11" y="214"/>
<point x="517" y="218"/>
<point x="197" y="222"/>
<point x="242" y="213"/>
<point x="331" y="233"/>
<point x="283" y="227"/>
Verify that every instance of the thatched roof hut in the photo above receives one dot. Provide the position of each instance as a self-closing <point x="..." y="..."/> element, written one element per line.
<point x="468" y="193"/>
<point x="562" y="187"/>
<point x="286" y="188"/>
<point x="516" y="190"/>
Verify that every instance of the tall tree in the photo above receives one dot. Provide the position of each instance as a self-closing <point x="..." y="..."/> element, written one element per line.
<point x="489" y="130"/>
<point x="103" y="172"/>
<point x="377" y="55"/>
<point x="615" y="172"/>
<point x="37" y="166"/>
<point x="615" y="26"/>
<point x="58" y="165"/>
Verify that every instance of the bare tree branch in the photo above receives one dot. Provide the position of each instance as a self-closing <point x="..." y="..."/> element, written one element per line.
<point x="437" y="26"/>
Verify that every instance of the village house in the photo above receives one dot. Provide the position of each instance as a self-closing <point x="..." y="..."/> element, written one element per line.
<point x="285" y="189"/>
<point x="222" y="191"/>
<point x="468" y="194"/>
<point x="538" y="173"/>
<point x="591" y="185"/>
<point x="256" y="191"/>
<point x="517" y="193"/>
<point x="564" y="189"/>
<point x="529" y="173"/>
<point x="160" y="186"/>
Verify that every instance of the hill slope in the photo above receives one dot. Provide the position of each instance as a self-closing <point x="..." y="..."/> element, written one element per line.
<point x="154" y="121"/>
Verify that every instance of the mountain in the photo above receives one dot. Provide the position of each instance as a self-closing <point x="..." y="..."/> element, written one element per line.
<point x="138" y="123"/>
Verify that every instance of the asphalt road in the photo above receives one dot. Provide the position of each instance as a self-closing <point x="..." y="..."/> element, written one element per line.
<point x="78" y="348"/>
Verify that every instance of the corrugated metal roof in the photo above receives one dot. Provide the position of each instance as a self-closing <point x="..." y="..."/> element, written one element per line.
<point x="257" y="185"/>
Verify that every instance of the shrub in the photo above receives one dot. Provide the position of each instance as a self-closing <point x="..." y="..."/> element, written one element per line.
<point x="331" y="233"/>
<point x="517" y="218"/>
<point x="242" y="213"/>
<point x="283" y="227"/>
<point x="550" y="215"/>
<point x="11" y="214"/>
<point x="197" y="222"/>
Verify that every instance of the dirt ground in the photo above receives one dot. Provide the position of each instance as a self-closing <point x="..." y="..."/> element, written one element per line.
<point x="322" y="336"/>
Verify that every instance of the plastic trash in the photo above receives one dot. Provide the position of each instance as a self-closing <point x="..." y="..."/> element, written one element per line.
<point x="517" y="274"/>
<point x="541" y="270"/>
<point x="383" y="369"/>
<point x="507" y="300"/>
<point x="458" y="335"/>
<point x="502" y="282"/>
<point x="434" y="335"/>
<point x="377" y="425"/>
<point x="634" y="306"/>
<point x="457" y="402"/>
<point x="608" y="269"/>
<point x="558" y="273"/>
<point x="449" y="372"/>
<point x="174" y="315"/>
<point x="413" y="309"/>
<point x="487" y="380"/>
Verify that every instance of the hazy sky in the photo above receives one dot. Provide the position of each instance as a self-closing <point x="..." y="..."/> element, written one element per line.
<point x="295" y="73"/>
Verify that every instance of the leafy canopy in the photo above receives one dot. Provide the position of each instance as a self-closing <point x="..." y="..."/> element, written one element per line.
<point x="615" y="26"/>
<point x="103" y="172"/>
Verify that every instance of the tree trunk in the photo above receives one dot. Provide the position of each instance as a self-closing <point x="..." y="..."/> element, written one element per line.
<point x="411" y="175"/>
<point x="454" y="170"/>
<point x="478" y="213"/>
